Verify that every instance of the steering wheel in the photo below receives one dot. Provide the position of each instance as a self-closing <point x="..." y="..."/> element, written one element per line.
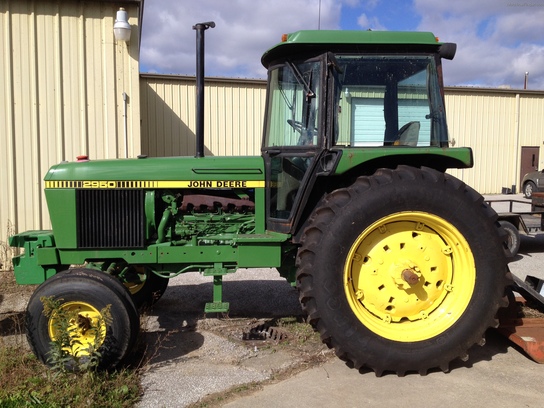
<point x="306" y="136"/>
<point x="295" y="124"/>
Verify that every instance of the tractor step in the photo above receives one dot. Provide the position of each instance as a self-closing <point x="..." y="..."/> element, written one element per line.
<point x="216" y="307"/>
<point x="522" y="322"/>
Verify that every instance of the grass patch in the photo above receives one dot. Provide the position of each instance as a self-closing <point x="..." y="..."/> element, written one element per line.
<point x="26" y="382"/>
<point x="299" y="329"/>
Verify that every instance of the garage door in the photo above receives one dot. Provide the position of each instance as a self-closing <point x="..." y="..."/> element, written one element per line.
<point x="368" y="124"/>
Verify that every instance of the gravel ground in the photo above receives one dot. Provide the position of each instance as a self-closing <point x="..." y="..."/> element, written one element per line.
<point x="204" y="356"/>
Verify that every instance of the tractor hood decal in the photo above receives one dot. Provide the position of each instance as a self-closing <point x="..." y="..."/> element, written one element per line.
<point x="102" y="184"/>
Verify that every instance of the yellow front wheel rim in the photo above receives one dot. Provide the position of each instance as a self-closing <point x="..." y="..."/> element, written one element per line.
<point x="79" y="326"/>
<point x="409" y="276"/>
<point x="138" y="280"/>
<point x="134" y="287"/>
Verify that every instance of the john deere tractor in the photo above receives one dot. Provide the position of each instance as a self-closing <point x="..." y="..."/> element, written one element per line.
<point x="400" y="266"/>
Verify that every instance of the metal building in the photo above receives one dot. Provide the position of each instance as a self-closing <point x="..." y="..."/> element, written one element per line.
<point x="234" y="114"/>
<point x="68" y="88"/>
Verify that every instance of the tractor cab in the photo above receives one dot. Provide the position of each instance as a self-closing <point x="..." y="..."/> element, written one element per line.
<point x="337" y="90"/>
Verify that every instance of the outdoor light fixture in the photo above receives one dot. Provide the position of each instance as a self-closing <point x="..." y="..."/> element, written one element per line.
<point x="121" y="28"/>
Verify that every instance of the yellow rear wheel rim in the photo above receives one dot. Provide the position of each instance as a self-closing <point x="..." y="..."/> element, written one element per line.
<point x="85" y="326"/>
<point x="409" y="276"/>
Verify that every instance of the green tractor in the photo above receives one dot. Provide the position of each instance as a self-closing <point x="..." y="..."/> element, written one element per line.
<point x="399" y="266"/>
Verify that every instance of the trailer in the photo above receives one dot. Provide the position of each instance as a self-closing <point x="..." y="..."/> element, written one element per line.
<point x="517" y="215"/>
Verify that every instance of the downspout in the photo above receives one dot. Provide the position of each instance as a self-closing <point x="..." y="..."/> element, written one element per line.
<point x="516" y="149"/>
<point x="125" y="123"/>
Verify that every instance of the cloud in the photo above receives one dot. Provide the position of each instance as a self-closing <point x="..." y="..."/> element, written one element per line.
<point x="244" y="30"/>
<point x="497" y="43"/>
<point x="367" y="4"/>
<point x="367" y="23"/>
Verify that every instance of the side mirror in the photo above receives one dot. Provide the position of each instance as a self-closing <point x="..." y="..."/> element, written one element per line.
<point x="447" y="50"/>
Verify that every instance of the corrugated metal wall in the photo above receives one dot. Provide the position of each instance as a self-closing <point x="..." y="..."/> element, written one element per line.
<point x="62" y="77"/>
<point x="496" y="124"/>
<point x="233" y="121"/>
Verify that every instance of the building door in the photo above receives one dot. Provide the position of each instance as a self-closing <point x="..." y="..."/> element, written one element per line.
<point x="529" y="160"/>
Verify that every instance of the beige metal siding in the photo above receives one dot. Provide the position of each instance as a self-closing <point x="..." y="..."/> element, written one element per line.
<point x="531" y="122"/>
<point x="62" y="77"/>
<point x="486" y="123"/>
<point x="495" y="124"/>
<point x="233" y="121"/>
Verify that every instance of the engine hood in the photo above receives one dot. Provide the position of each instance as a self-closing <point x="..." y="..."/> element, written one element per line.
<point x="162" y="169"/>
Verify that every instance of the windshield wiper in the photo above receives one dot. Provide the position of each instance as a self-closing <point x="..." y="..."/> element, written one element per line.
<point x="300" y="79"/>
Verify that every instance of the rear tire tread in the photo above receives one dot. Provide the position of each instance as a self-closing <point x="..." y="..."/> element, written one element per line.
<point x="317" y="228"/>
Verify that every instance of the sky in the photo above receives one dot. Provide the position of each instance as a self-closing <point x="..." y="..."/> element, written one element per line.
<point x="498" y="41"/>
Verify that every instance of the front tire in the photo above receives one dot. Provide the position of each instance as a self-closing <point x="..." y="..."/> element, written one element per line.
<point x="513" y="242"/>
<point x="84" y="294"/>
<point x="402" y="271"/>
<point x="528" y="189"/>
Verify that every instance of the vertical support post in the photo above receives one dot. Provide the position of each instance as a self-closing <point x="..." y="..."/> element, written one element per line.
<point x="200" y="28"/>
<point x="217" y="289"/>
<point x="217" y="305"/>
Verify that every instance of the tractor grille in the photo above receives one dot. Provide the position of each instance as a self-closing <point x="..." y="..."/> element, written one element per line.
<point x="110" y="219"/>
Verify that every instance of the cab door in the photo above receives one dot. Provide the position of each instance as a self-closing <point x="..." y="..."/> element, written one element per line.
<point x="293" y="136"/>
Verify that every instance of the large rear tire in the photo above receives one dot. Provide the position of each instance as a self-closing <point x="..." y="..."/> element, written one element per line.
<point x="84" y="294"/>
<point x="402" y="271"/>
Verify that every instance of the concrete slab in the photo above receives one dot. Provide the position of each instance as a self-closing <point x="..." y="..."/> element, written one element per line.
<point x="192" y="362"/>
<point x="499" y="377"/>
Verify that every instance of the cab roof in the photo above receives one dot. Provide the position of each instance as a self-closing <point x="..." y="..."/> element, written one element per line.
<point x="346" y="40"/>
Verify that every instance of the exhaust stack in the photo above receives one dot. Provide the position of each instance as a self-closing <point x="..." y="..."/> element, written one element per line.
<point x="200" y="28"/>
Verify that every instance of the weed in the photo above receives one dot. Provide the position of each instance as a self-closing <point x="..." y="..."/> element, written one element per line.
<point x="69" y="327"/>
<point x="6" y="252"/>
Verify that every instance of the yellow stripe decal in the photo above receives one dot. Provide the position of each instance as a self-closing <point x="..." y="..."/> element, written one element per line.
<point x="157" y="184"/>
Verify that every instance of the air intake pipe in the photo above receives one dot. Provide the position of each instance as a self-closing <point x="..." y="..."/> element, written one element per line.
<point x="200" y="28"/>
